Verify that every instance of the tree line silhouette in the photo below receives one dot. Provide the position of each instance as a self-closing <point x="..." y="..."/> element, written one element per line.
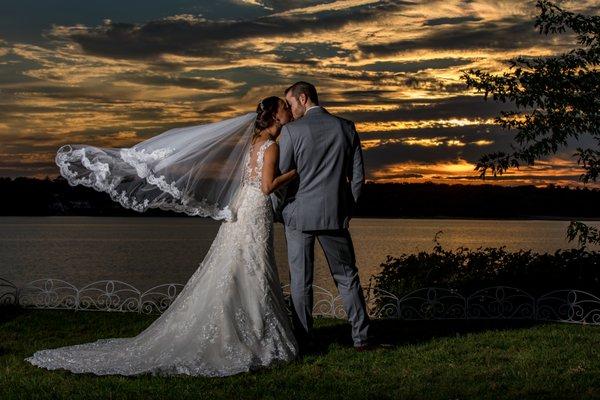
<point x="29" y="196"/>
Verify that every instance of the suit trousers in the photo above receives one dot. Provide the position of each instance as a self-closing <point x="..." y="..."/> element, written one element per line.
<point x="339" y="252"/>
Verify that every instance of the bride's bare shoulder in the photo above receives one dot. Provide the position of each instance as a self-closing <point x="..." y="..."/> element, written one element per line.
<point x="272" y="147"/>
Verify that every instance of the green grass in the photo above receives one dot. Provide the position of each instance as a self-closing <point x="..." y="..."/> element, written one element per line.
<point x="422" y="360"/>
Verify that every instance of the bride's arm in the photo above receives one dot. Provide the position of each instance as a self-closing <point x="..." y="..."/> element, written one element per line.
<point x="271" y="182"/>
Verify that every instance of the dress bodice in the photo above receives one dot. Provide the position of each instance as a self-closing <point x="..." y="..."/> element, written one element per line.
<point x="254" y="164"/>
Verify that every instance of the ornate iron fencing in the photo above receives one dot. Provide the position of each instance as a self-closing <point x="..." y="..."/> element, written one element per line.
<point x="431" y="303"/>
<point x="9" y="293"/>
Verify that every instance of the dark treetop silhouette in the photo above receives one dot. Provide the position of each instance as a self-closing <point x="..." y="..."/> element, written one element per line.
<point x="557" y="98"/>
<point x="55" y="197"/>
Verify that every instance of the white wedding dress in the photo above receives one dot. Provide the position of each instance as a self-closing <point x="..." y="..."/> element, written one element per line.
<point x="229" y="318"/>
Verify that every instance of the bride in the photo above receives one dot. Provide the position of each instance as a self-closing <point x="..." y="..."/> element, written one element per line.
<point x="230" y="317"/>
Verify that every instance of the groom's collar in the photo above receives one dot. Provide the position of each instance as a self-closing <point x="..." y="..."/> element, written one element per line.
<point x="312" y="108"/>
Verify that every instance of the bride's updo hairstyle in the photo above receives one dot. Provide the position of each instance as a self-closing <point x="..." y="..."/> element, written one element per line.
<point x="266" y="110"/>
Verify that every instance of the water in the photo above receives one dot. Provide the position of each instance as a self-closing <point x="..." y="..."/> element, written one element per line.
<point x="149" y="251"/>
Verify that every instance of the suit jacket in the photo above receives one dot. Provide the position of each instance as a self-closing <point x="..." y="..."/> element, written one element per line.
<point x="326" y="152"/>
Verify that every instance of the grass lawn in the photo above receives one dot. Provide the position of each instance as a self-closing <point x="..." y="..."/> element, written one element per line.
<point x="421" y="360"/>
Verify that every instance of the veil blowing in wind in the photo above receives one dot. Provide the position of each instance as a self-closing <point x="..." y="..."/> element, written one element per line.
<point x="196" y="170"/>
<point x="230" y="316"/>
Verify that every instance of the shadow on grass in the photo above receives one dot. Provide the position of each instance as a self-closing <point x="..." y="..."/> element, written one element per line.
<point x="387" y="333"/>
<point x="390" y="333"/>
<point x="8" y="312"/>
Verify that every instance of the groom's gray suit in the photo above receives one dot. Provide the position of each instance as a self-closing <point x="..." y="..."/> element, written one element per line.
<point x="326" y="152"/>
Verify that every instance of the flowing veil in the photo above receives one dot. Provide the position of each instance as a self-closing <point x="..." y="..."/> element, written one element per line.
<point x="196" y="170"/>
<point x="230" y="317"/>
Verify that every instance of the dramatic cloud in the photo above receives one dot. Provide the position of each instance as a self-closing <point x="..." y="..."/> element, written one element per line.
<point x="118" y="73"/>
<point x="507" y="34"/>
<point x="196" y="36"/>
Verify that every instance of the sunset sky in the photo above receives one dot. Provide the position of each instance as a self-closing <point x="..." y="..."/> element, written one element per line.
<point x="113" y="73"/>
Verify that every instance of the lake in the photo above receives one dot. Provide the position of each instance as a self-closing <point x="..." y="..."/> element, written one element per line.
<point x="149" y="251"/>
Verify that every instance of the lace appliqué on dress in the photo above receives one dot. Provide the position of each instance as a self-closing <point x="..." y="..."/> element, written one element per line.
<point x="253" y="171"/>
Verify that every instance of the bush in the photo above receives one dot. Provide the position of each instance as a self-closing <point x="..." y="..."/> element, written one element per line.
<point x="469" y="270"/>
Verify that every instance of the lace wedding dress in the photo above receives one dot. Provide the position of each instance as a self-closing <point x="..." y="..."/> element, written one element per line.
<point x="229" y="318"/>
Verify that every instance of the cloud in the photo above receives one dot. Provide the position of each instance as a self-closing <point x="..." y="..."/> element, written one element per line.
<point x="391" y="66"/>
<point x="416" y="65"/>
<point x="451" y="20"/>
<point x="258" y="3"/>
<point x="419" y="124"/>
<point x="281" y="5"/>
<point x="335" y="5"/>
<point x="461" y="107"/>
<point x="199" y="37"/>
<point x="459" y="170"/>
<point x="506" y="34"/>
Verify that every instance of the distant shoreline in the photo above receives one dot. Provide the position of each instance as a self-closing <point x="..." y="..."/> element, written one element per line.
<point x="526" y="218"/>
<point x="34" y="197"/>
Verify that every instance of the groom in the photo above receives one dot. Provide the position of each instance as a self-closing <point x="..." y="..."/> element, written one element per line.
<point x="326" y="152"/>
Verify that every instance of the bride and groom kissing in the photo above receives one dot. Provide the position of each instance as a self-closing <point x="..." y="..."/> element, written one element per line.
<point x="303" y="167"/>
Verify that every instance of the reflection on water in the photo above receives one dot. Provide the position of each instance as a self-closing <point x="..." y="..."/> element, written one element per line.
<point x="150" y="251"/>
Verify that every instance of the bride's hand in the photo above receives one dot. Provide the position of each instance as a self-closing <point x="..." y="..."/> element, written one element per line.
<point x="284" y="179"/>
<point x="291" y="174"/>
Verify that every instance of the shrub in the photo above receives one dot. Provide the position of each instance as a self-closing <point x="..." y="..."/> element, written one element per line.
<point x="469" y="270"/>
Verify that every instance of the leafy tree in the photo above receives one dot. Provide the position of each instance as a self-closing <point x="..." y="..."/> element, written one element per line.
<point x="556" y="98"/>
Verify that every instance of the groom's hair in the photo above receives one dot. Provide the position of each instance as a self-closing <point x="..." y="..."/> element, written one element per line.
<point x="305" y="88"/>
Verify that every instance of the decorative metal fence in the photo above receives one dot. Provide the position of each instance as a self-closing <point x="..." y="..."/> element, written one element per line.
<point x="431" y="303"/>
